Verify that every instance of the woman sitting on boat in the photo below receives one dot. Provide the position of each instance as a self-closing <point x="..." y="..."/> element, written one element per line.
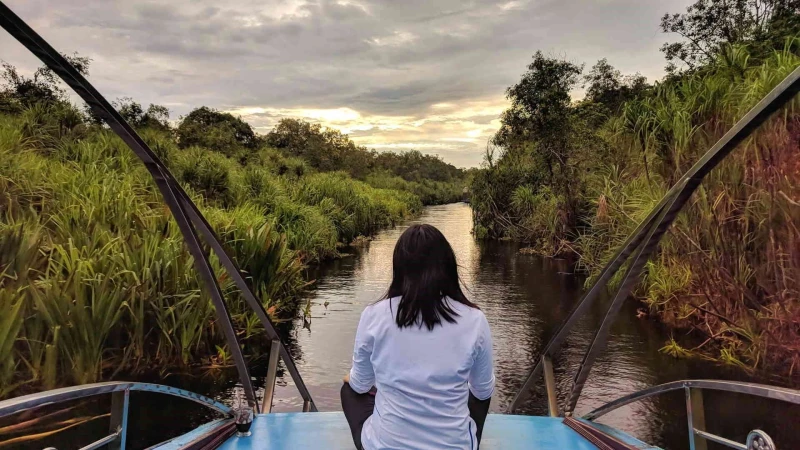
<point x="422" y="374"/>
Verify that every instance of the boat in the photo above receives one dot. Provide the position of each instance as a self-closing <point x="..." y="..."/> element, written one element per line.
<point x="254" y="426"/>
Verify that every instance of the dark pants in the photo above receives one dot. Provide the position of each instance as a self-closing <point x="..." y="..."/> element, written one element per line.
<point x="358" y="407"/>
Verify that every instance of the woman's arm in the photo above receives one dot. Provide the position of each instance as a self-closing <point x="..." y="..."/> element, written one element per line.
<point x="362" y="377"/>
<point x="481" y="376"/>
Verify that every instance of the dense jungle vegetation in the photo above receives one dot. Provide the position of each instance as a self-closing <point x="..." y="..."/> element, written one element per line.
<point x="94" y="276"/>
<point x="576" y="177"/>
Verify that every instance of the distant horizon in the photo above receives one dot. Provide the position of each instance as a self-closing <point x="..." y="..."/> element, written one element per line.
<point x="392" y="75"/>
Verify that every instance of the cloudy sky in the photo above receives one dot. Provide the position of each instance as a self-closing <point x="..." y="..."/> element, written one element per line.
<point x="394" y="74"/>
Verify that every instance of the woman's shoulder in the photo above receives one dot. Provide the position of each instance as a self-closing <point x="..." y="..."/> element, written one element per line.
<point x="470" y="310"/>
<point x="471" y="314"/>
<point x="377" y="308"/>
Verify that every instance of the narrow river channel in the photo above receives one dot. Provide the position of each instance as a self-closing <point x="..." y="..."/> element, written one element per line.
<point x="525" y="299"/>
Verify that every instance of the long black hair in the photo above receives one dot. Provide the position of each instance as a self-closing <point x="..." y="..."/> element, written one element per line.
<point x="425" y="277"/>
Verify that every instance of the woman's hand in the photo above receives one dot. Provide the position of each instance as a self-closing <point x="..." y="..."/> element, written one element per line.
<point x="346" y="378"/>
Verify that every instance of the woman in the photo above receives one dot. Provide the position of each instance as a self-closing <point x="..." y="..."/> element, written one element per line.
<point x="422" y="375"/>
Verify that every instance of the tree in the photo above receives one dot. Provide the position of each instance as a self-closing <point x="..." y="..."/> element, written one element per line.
<point x="607" y="86"/>
<point x="42" y="87"/>
<point x="330" y="150"/>
<point x="413" y="165"/>
<point x="707" y="25"/>
<point x="537" y="135"/>
<point x="215" y="130"/>
<point x="540" y="110"/>
<point x="156" y="116"/>
<point x="324" y="148"/>
<point x="304" y="139"/>
<point x="603" y="81"/>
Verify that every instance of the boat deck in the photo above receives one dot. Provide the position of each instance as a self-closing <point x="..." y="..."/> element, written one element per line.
<point x="298" y="431"/>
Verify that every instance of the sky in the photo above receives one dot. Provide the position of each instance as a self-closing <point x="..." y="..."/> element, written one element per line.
<point x="393" y="74"/>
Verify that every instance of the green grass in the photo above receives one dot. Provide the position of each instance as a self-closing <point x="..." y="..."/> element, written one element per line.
<point x="94" y="276"/>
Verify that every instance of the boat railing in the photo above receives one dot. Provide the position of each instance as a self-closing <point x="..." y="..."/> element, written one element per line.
<point x="695" y="410"/>
<point x="120" y="398"/>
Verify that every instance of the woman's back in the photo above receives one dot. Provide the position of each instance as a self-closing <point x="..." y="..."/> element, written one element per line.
<point x="425" y="347"/>
<point x="423" y="377"/>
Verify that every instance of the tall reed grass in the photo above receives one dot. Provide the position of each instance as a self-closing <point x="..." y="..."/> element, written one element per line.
<point x="94" y="275"/>
<point x="730" y="267"/>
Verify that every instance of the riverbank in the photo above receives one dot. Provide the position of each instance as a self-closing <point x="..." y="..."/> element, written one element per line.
<point x="94" y="277"/>
<point x="725" y="275"/>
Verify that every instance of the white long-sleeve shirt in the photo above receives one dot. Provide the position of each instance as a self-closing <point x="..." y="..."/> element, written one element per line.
<point x="423" y="378"/>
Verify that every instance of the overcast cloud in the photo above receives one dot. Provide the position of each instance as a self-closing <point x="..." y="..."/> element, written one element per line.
<point x="394" y="74"/>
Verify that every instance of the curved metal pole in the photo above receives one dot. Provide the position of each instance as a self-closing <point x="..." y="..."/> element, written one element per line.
<point x="778" y="97"/>
<point x="165" y="183"/>
<point x="19" y="404"/>
<point x="647" y="248"/>
<point x="231" y="267"/>
<point x="687" y="185"/>
<point x="210" y="280"/>
<point x="176" y="198"/>
<point x="760" y="390"/>
<point x="586" y="302"/>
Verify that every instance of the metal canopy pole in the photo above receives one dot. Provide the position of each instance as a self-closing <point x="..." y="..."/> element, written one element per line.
<point x="100" y="106"/>
<point x="176" y="198"/>
<point x="232" y="269"/>
<point x="584" y="304"/>
<point x="684" y="188"/>
<point x="212" y="287"/>
<point x="272" y="373"/>
<point x="631" y="279"/>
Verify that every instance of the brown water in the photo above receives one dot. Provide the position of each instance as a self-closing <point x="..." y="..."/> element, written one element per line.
<point x="525" y="299"/>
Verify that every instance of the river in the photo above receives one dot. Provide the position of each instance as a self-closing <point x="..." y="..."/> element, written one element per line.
<point x="525" y="298"/>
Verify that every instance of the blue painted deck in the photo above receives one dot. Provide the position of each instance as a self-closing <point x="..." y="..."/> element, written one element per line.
<point x="300" y="431"/>
<point x="329" y="430"/>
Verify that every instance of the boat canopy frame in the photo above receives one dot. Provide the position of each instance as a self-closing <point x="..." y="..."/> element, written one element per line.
<point x="189" y="218"/>
<point x="636" y="251"/>
<point x="120" y="392"/>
